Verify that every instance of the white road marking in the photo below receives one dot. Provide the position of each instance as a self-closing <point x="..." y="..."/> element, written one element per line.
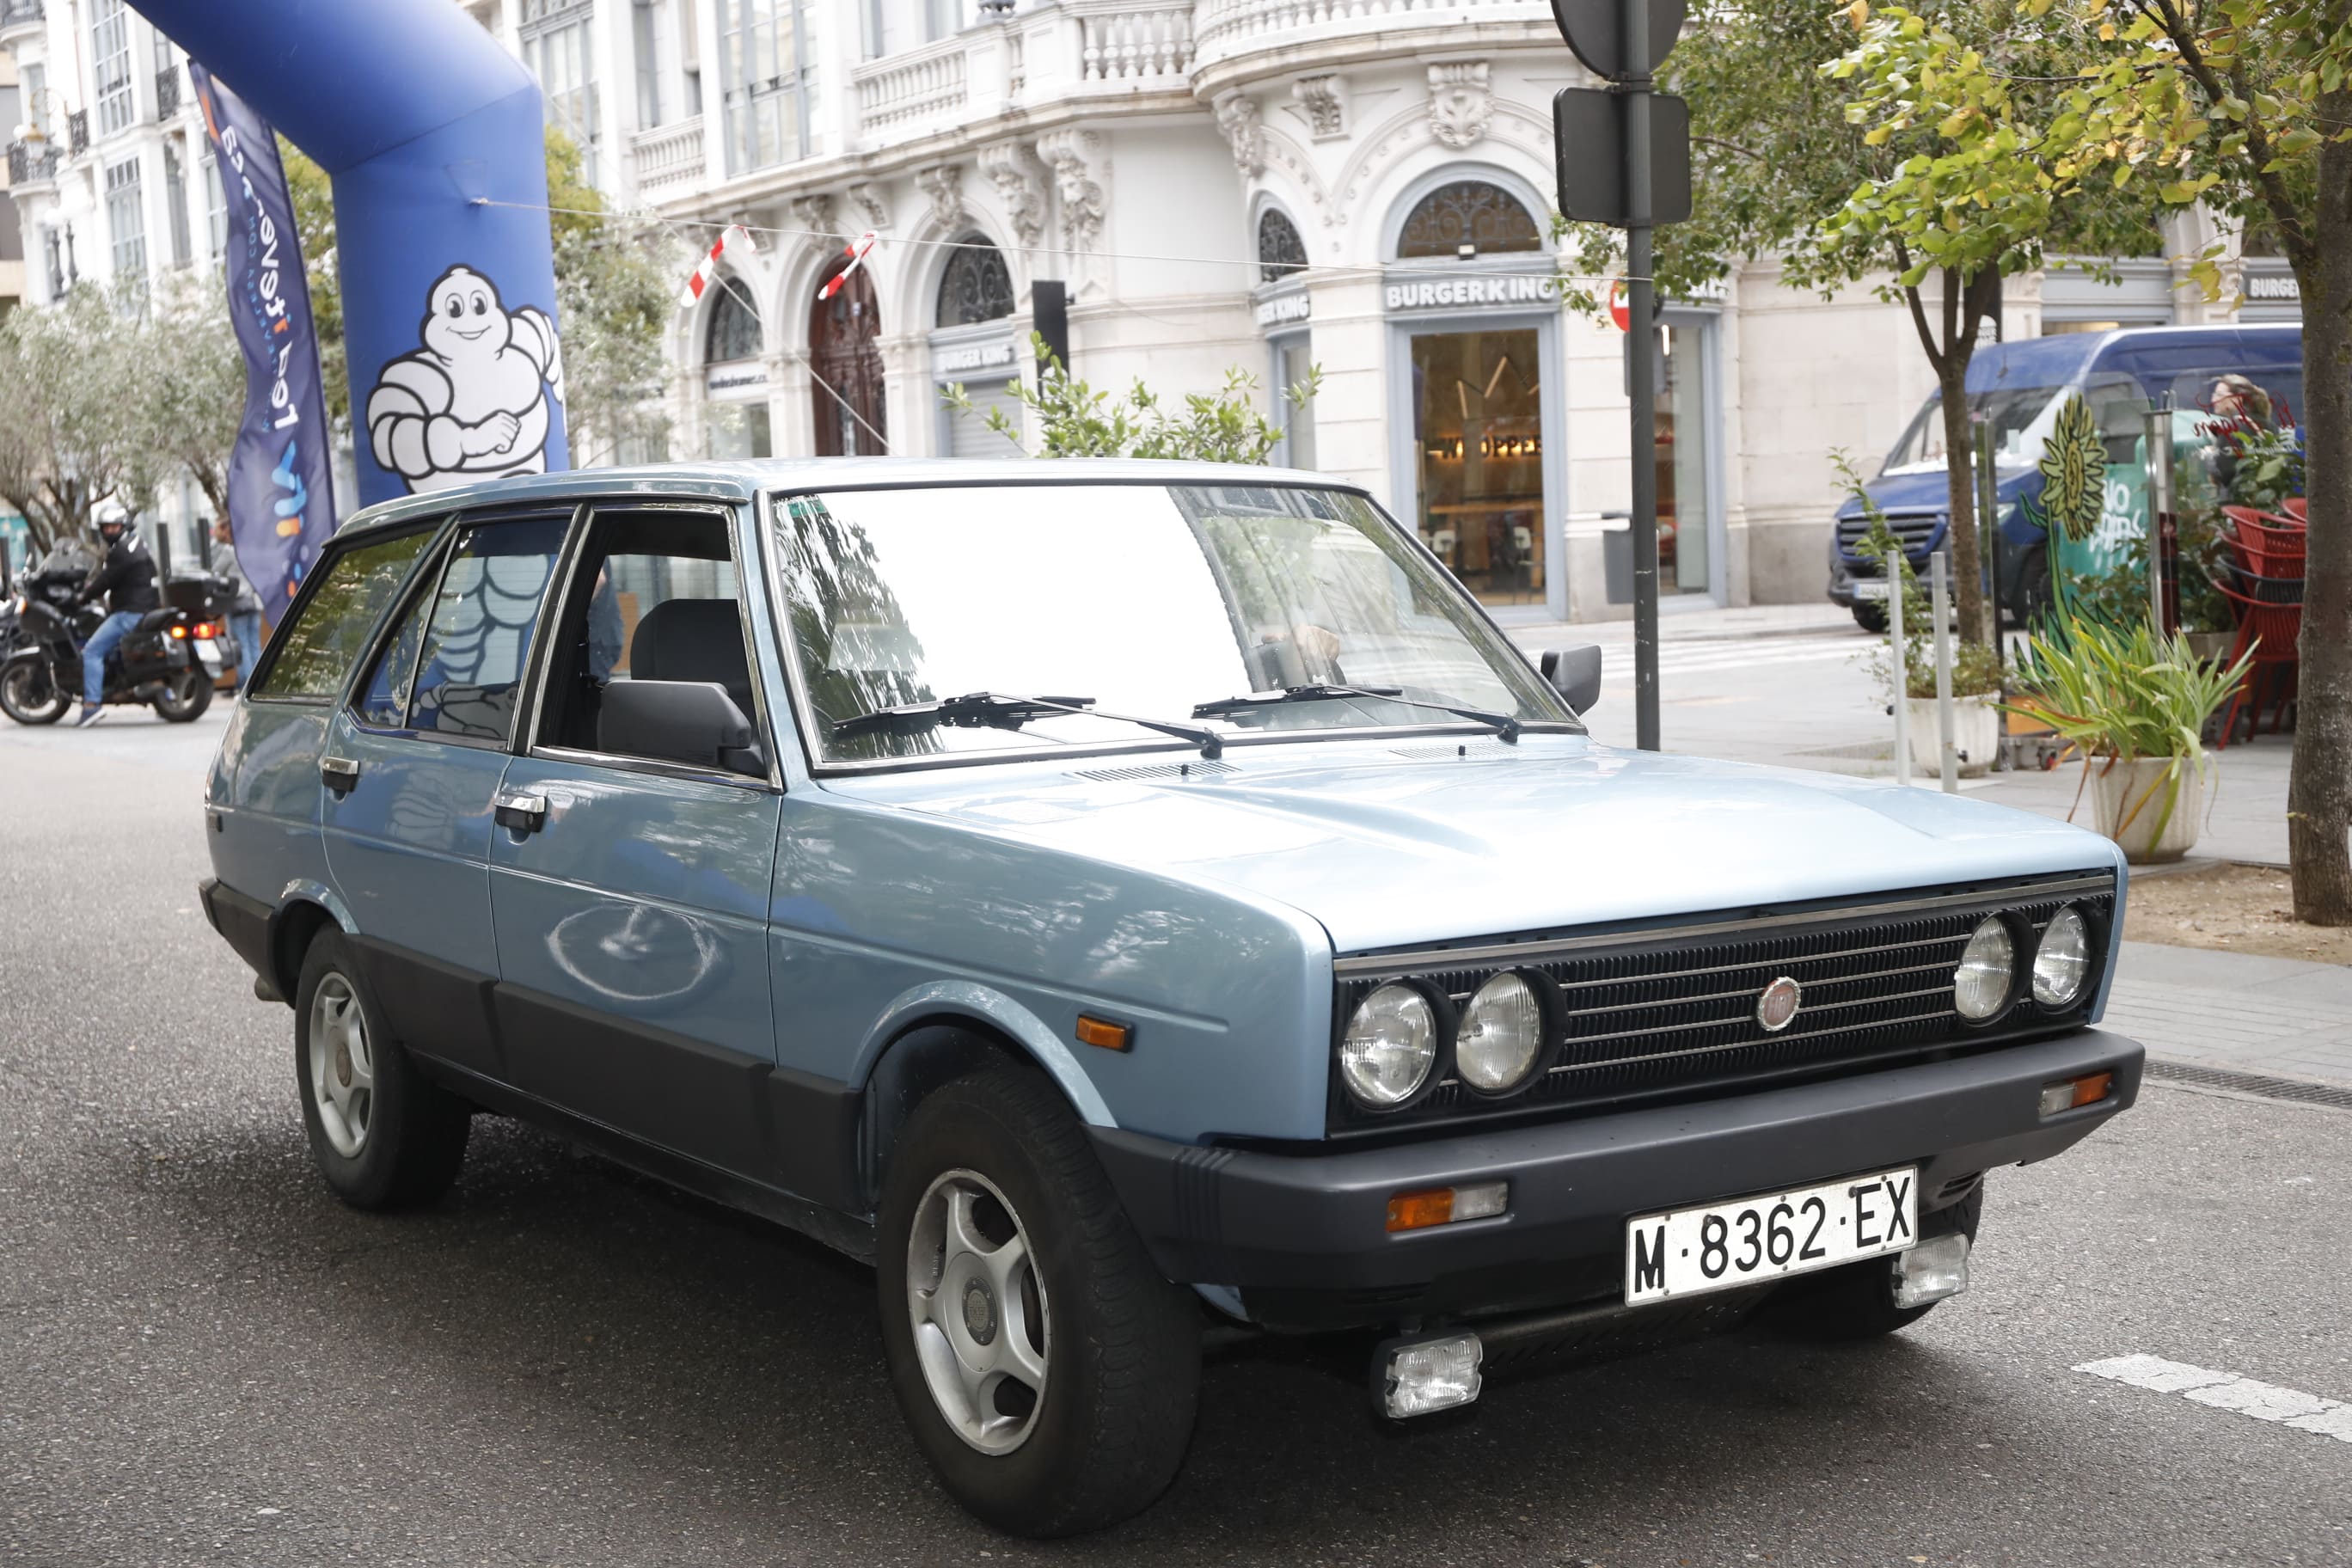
<point x="2227" y="1391"/>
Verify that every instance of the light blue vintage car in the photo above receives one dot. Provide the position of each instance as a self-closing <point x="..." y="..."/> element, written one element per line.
<point x="1125" y="901"/>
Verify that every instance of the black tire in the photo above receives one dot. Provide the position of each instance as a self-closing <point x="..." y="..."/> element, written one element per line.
<point x="1871" y="618"/>
<point x="1121" y="1351"/>
<point x="413" y="1138"/>
<point x="185" y="697"/>
<point x="1857" y="1302"/>
<point x="21" y="682"/>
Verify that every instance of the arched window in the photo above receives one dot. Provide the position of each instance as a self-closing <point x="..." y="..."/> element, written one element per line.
<point x="976" y="285"/>
<point x="1280" y="252"/>
<point x="733" y="328"/>
<point x="1472" y="213"/>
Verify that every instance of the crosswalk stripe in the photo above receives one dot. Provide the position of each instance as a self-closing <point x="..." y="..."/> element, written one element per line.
<point x="2228" y="1390"/>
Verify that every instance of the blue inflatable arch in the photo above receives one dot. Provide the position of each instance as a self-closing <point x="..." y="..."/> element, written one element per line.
<point x="432" y="136"/>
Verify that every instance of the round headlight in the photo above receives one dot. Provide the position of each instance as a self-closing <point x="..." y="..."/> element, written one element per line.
<point x="1501" y="1036"/>
<point x="1980" y="986"/>
<point x="2062" y="960"/>
<point x="1390" y="1047"/>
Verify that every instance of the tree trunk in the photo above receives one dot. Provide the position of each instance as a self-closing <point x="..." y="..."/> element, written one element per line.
<point x="1960" y="481"/>
<point x="2319" y="791"/>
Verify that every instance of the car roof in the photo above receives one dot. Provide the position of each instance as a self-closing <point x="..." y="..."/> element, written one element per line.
<point x="739" y="481"/>
<point x="2055" y="361"/>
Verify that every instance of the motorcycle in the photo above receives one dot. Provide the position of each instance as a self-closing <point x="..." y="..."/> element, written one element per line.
<point x="169" y="661"/>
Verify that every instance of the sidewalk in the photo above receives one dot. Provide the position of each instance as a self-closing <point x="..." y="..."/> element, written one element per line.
<point x="2276" y="1016"/>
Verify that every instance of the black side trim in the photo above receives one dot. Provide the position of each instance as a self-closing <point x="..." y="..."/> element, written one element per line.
<point x="437" y="1008"/>
<point x="242" y="921"/>
<point x="839" y="1231"/>
<point x="816" y="1123"/>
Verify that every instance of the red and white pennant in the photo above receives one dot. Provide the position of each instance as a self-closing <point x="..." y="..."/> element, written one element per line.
<point x="855" y="250"/>
<point x="733" y="236"/>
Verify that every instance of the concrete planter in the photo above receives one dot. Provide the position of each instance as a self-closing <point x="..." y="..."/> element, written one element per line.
<point x="1976" y="735"/>
<point x="2138" y="790"/>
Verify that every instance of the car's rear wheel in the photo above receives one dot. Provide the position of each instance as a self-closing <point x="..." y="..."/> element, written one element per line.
<point x="384" y="1135"/>
<point x="28" y="696"/>
<point x="1047" y="1371"/>
<point x="1857" y="1302"/>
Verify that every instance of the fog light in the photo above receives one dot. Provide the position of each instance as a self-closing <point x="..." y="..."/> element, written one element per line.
<point x="2078" y="1091"/>
<point x="1937" y="1268"/>
<point x="1420" y="1377"/>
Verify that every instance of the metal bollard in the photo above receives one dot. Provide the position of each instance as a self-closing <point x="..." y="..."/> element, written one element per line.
<point x="1946" y="763"/>
<point x="1894" y="565"/>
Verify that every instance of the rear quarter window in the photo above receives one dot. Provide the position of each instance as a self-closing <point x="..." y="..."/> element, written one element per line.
<point x="312" y="653"/>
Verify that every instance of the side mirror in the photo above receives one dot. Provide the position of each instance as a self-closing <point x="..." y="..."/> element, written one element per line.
<point x="1575" y="674"/>
<point x="689" y="721"/>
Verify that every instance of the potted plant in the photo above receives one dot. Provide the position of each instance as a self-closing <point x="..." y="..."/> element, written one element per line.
<point x="1976" y="668"/>
<point x="2136" y="704"/>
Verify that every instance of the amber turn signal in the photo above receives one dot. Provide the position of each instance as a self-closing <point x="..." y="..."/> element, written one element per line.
<point x="1093" y="1031"/>
<point x="2077" y="1092"/>
<point x="1417" y="1211"/>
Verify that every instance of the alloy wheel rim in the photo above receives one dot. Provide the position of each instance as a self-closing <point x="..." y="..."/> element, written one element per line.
<point x="982" y="1328"/>
<point x="343" y="1065"/>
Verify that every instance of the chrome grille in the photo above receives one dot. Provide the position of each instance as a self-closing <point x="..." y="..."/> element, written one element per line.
<point x="1916" y="530"/>
<point x="1668" y="1011"/>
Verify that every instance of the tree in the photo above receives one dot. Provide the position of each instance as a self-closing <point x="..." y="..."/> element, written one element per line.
<point x="192" y="397"/>
<point x="615" y="276"/>
<point x="1787" y="169"/>
<point x="70" y="438"/>
<point x="1073" y="420"/>
<point x="2247" y="105"/>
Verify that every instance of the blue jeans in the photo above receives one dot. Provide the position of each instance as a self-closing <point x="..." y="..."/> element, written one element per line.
<point x="245" y="625"/>
<point x="110" y="632"/>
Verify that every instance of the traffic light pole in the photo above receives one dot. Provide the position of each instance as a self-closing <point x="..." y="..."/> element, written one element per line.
<point x="1641" y="380"/>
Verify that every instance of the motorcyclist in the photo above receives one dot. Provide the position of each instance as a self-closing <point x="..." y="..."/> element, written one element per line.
<point x="126" y="575"/>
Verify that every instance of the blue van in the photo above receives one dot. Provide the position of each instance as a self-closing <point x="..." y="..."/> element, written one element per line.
<point x="2020" y="387"/>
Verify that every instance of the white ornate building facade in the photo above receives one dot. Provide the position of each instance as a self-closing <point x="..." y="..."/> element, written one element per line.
<point x="1361" y="186"/>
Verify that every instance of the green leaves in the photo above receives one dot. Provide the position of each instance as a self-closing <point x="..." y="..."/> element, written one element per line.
<point x="1075" y="420"/>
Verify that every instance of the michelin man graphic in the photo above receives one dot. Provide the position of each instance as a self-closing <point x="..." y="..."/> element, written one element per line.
<point x="474" y="403"/>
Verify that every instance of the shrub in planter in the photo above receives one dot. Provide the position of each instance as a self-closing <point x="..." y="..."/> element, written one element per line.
<point x="2136" y="703"/>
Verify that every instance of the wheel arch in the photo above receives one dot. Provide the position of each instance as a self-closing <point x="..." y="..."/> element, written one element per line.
<point x="303" y="911"/>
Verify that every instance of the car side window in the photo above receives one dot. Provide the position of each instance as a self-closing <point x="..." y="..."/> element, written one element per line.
<point x="384" y="703"/>
<point x="656" y="597"/>
<point x="476" y="641"/>
<point x="315" y="650"/>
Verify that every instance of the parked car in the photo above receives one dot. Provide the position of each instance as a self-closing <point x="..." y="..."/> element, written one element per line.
<point x="1117" y="898"/>
<point x="2018" y="387"/>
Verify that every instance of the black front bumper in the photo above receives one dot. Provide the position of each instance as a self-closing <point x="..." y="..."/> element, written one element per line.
<point x="1304" y="1237"/>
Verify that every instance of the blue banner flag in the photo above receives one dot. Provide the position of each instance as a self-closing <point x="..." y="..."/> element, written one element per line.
<point x="281" y="480"/>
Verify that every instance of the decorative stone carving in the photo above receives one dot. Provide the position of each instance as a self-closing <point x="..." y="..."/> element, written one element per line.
<point x="1010" y="169"/>
<point x="1237" y="118"/>
<point x="1066" y="152"/>
<point x="943" y="184"/>
<point x="869" y="202"/>
<point x="814" y="215"/>
<point x="1323" y="100"/>
<point x="1461" y="102"/>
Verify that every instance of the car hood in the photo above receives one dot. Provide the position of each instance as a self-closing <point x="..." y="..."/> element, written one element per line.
<point x="1928" y="490"/>
<point x="1398" y="843"/>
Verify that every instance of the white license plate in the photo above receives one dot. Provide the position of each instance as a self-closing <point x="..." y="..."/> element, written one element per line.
<point x="1690" y="1252"/>
<point x="208" y="655"/>
<point x="1870" y="587"/>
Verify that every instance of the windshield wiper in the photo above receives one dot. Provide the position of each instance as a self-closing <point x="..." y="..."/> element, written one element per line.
<point x="1503" y="724"/>
<point x="995" y="709"/>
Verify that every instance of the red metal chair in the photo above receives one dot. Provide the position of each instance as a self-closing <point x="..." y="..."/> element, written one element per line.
<point x="2294" y="508"/>
<point x="2265" y="544"/>
<point x="2269" y="622"/>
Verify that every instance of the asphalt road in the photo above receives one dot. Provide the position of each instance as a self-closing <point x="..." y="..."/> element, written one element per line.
<point x="204" y="1358"/>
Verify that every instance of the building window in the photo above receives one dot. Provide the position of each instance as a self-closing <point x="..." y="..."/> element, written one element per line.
<point x="976" y="285"/>
<point x="109" y="38"/>
<point x="760" y="81"/>
<point x="36" y="80"/>
<point x="175" y="193"/>
<point x="1280" y="251"/>
<point x="126" y="221"/>
<point x="215" y="210"/>
<point x="1468" y="218"/>
<point x="644" y="22"/>
<point x="733" y="331"/>
<point x="943" y="19"/>
<point x="559" y="45"/>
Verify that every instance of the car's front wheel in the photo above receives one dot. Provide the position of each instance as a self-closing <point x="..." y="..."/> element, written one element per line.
<point x="1049" y="1373"/>
<point x="385" y="1135"/>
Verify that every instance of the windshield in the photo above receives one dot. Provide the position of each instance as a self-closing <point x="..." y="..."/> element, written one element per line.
<point x="2021" y="416"/>
<point x="1148" y="600"/>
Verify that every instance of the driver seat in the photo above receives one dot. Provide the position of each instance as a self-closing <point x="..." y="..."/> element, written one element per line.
<point x="694" y="640"/>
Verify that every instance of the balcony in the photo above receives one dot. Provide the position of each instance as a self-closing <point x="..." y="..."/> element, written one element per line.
<point x="1226" y="30"/>
<point x="913" y="90"/>
<point x="668" y="157"/>
<point x="78" y="131"/>
<point x="19" y="17"/>
<point x="167" y="92"/>
<point x="31" y="163"/>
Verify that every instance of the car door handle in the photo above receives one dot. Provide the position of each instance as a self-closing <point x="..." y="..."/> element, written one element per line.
<point x="341" y="774"/>
<point x="523" y="813"/>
